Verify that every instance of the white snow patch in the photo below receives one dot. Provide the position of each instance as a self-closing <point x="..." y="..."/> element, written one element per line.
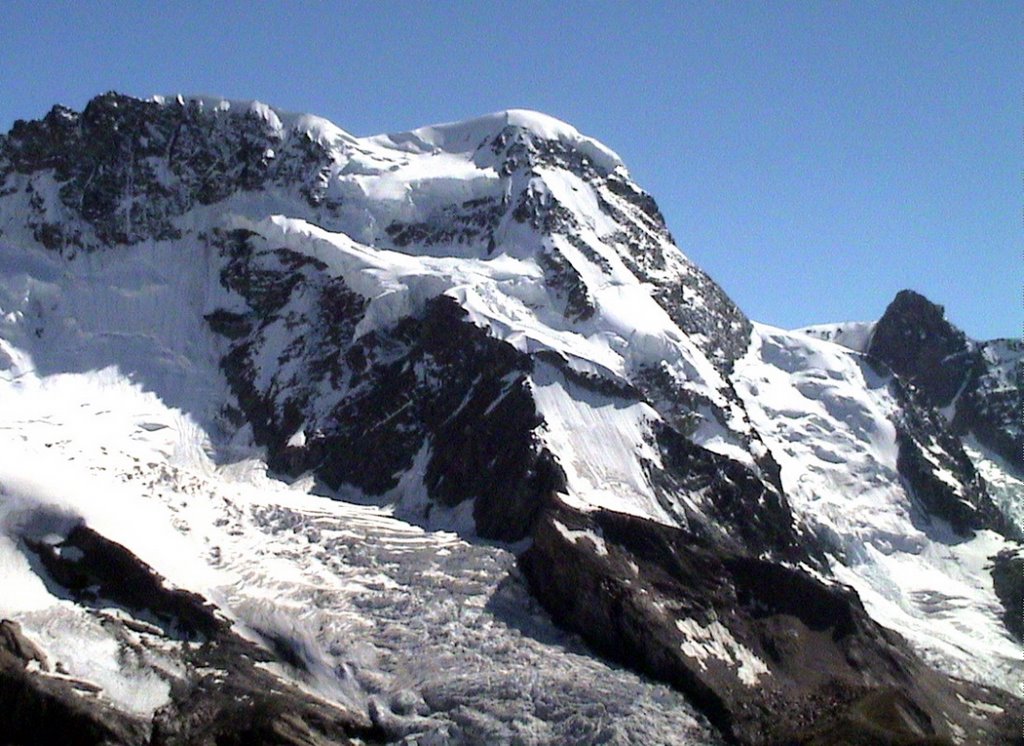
<point x="576" y="536"/>
<point x="602" y="445"/>
<point x="716" y="641"/>
<point x="854" y="335"/>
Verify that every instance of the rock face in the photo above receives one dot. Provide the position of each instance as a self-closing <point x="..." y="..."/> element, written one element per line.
<point x="794" y="660"/>
<point x="929" y="452"/>
<point x="981" y="383"/>
<point x="435" y="384"/>
<point x="915" y="340"/>
<point x="1008" y="579"/>
<point x="218" y="692"/>
<point x="489" y="320"/>
<point x="127" y="168"/>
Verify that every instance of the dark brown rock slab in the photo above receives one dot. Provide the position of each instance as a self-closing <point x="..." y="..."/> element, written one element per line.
<point x="770" y="652"/>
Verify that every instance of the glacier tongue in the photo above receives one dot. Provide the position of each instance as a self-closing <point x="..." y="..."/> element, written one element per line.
<point x="435" y="635"/>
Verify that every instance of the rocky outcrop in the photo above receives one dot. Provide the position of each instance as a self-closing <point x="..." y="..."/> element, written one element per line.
<point x="745" y="511"/>
<point x="941" y="476"/>
<point x="990" y="407"/>
<point x="694" y="301"/>
<point x="914" y="338"/>
<point x="38" y="709"/>
<point x="95" y="570"/>
<point x="14" y="642"/>
<point x="124" y="168"/>
<point x="366" y="407"/>
<point x="982" y="384"/>
<point x="1008" y="579"/>
<point x="769" y="652"/>
<point x="221" y="691"/>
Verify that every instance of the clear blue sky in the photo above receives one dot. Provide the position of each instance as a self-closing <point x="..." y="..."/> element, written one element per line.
<point x="813" y="157"/>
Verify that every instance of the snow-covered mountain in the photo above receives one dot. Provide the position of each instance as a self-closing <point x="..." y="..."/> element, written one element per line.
<point x="419" y="438"/>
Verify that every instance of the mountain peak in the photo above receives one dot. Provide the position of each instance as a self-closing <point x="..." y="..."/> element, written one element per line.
<point x="485" y="327"/>
<point x="909" y="301"/>
<point x="914" y="338"/>
<point x="475" y="134"/>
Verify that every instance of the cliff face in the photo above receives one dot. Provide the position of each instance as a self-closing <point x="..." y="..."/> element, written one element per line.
<point x="979" y="383"/>
<point x="485" y="325"/>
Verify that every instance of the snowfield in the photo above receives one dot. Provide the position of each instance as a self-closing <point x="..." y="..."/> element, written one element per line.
<point x="827" y="417"/>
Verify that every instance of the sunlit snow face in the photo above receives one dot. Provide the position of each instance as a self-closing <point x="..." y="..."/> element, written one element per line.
<point x="828" y="418"/>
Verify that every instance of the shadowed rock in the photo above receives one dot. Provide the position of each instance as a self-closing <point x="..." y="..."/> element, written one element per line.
<point x="768" y="652"/>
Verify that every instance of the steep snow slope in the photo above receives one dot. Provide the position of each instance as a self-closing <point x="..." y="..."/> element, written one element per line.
<point x="830" y="419"/>
<point x="978" y="387"/>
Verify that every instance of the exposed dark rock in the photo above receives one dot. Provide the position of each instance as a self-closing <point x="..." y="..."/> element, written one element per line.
<point x="96" y="570"/>
<point x="941" y="476"/>
<point x="715" y="322"/>
<point x="639" y="199"/>
<point x="937" y="366"/>
<point x="719" y="326"/>
<point x="1008" y="581"/>
<point x="884" y="717"/>
<point x="222" y="697"/>
<point x="128" y="167"/>
<point x="228" y="324"/>
<point x="690" y="297"/>
<point x="769" y="653"/>
<point x="518" y="148"/>
<point x="747" y="512"/>
<point x="38" y="709"/>
<point x="269" y="280"/>
<point x="538" y="208"/>
<point x="990" y="407"/>
<point x="605" y="385"/>
<point x="237" y="702"/>
<point x="914" y="338"/>
<point x="480" y="423"/>
<point x="14" y="642"/>
<point x="682" y="410"/>
<point x="434" y="380"/>
<point x="565" y="281"/>
<point x="473" y="221"/>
